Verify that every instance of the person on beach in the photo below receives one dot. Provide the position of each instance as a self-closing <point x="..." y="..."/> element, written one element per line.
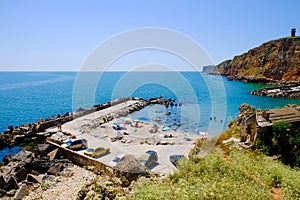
<point x="59" y="127"/>
<point x="205" y="136"/>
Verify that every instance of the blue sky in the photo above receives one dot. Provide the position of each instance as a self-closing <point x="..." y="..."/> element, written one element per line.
<point x="59" y="35"/>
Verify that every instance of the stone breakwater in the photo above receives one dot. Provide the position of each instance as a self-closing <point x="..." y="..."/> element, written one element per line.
<point x="38" y="165"/>
<point x="35" y="132"/>
<point x="279" y="92"/>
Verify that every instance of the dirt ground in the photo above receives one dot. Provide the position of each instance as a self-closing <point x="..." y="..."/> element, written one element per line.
<point x="64" y="187"/>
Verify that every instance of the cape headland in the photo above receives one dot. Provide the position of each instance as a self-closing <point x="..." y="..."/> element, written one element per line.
<point x="274" y="62"/>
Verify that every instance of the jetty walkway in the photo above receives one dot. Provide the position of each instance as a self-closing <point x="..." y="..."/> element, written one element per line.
<point x="135" y="140"/>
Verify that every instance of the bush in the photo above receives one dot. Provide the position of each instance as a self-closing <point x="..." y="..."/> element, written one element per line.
<point x="284" y="140"/>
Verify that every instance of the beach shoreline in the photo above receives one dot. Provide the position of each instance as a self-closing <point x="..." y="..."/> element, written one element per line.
<point x="135" y="137"/>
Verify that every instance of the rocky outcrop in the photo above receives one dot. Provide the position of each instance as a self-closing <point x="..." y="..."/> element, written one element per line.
<point x="33" y="132"/>
<point x="28" y="167"/>
<point x="245" y="112"/>
<point x="273" y="61"/>
<point x="279" y="92"/>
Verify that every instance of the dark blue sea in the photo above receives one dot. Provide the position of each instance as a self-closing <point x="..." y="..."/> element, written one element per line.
<point x="26" y="97"/>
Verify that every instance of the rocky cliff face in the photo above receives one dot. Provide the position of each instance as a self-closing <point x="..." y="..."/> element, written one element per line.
<point x="274" y="60"/>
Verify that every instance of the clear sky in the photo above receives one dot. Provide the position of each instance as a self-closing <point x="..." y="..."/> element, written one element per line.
<point x="60" y="34"/>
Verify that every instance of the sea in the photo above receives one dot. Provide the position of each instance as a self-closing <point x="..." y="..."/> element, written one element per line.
<point x="208" y="102"/>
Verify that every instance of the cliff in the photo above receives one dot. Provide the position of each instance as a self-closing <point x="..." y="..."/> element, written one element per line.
<point x="276" y="60"/>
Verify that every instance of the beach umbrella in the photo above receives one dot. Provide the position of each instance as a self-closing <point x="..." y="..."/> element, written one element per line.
<point x="117" y="123"/>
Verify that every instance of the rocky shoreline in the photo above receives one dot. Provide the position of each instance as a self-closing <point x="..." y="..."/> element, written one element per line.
<point x="259" y="80"/>
<point x="40" y="163"/>
<point x="284" y="89"/>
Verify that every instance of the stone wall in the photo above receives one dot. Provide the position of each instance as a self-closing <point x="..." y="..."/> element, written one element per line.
<point x="78" y="159"/>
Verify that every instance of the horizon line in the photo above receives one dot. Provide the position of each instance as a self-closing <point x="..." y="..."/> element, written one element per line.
<point x="99" y="71"/>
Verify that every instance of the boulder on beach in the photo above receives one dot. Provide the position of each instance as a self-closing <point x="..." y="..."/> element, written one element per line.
<point x="130" y="167"/>
<point x="130" y="164"/>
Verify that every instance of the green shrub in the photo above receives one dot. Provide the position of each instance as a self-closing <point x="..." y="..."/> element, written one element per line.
<point x="284" y="140"/>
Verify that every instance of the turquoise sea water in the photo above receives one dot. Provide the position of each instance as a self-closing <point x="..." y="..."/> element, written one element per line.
<point x="27" y="96"/>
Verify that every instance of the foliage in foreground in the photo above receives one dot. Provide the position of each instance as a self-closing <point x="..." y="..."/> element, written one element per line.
<point x="240" y="175"/>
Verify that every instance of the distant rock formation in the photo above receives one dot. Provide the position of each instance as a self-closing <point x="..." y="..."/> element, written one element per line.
<point x="208" y="69"/>
<point x="273" y="61"/>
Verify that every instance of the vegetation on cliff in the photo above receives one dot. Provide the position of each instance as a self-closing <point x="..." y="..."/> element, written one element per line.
<point x="274" y="60"/>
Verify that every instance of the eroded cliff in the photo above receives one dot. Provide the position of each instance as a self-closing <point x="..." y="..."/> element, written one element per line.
<point x="277" y="60"/>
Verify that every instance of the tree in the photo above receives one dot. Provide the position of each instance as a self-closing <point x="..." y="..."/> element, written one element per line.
<point x="287" y="140"/>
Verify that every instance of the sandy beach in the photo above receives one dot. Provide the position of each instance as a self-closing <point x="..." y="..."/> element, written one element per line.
<point x="136" y="137"/>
